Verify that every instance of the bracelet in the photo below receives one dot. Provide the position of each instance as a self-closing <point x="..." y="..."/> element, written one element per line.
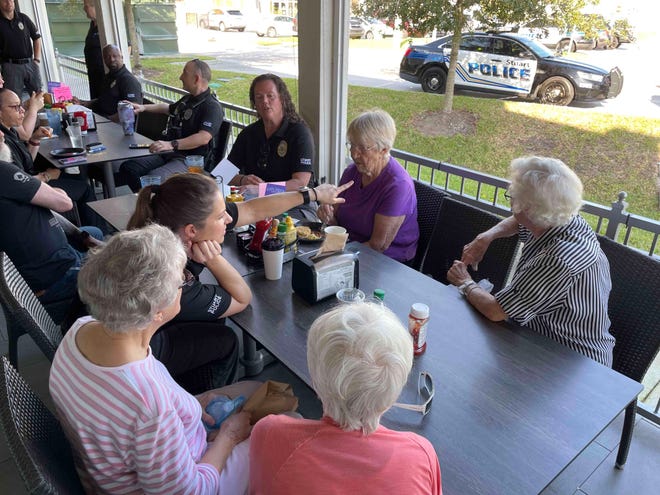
<point x="469" y="290"/>
<point x="465" y="286"/>
<point x="316" y="195"/>
<point x="34" y="143"/>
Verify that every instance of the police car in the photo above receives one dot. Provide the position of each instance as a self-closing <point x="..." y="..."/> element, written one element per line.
<point x="506" y="63"/>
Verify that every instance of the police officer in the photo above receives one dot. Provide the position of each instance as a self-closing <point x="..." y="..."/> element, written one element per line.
<point x="278" y="147"/>
<point x="93" y="56"/>
<point x="119" y="84"/>
<point x="20" y="50"/>
<point x="194" y="122"/>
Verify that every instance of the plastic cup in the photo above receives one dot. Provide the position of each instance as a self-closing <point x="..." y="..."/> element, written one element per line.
<point x="75" y="135"/>
<point x="350" y="295"/>
<point x="334" y="229"/>
<point x="149" y="180"/>
<point x="195" y="164"/>
<point x="273" y="263"/>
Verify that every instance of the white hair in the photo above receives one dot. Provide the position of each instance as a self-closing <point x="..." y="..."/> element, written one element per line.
<point x="137" y="274"/>
<point x="359" y="357"/>
<point x="545" y="189"/>
<point x="373" y="126"/>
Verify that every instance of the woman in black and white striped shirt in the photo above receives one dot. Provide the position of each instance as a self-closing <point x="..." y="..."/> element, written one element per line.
<point x="562" y="282"/>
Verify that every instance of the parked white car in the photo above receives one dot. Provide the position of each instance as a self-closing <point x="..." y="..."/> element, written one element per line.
<point x="373" y="28"/>
<point x="277" y="25"/>
<point x="225" y="20"/>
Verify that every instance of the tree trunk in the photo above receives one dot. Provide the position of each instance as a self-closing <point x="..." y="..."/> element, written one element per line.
<point x="459" y="22"/>
<point x="132" y="36"/>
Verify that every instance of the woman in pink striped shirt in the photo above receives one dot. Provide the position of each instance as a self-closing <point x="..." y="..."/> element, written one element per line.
<point x="131" y="427"/>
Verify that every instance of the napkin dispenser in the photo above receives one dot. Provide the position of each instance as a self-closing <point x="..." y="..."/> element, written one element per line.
<point x="315" y="280"/>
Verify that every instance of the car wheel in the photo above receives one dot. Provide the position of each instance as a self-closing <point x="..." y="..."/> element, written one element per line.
<point x="616" y="43"/>
<point x="566" y="45"/>
<point x="434" y="80"/>
<point x="222" y="27"/>
<point x="369" y="35"/>
<point x="271" y="32"/>
<point x="261" y="35"/>
<point x="240" y="30"/>
<point x="556" y="90"/>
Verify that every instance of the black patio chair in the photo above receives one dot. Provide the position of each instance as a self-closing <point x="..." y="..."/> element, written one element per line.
<point x="24" y="313"/>
<point x="457" y="224"/>
<point x="151" y="124"/>
<point x="634" y="310"/>
<point x="35" y="438"/>
<point x="429" y="200"/>
<point x="220" y="142"/>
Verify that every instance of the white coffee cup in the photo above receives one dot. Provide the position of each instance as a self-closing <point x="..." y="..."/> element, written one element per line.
<point x="334" y="229"/>
<point x="273" y="263"/>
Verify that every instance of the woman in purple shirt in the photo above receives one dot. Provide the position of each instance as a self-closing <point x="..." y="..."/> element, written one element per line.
<point x="381" y="208"/>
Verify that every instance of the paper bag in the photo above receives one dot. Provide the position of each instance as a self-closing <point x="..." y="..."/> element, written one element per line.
<point x="271" y="398"/>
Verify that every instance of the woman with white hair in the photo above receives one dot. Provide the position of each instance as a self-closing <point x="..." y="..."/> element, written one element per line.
<point x="562" y="282"/>
<point x="359" y="357"/>
<point x="381" y="208"/>
<point x="132" y="428"/>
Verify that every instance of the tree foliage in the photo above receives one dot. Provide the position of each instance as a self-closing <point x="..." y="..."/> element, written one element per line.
<point x="456" y="16"/>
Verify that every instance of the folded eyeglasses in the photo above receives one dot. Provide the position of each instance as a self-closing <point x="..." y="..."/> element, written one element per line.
<point x="426" y="390"/>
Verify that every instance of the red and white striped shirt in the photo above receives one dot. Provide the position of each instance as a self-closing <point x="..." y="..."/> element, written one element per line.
<point x="131" y="427"/>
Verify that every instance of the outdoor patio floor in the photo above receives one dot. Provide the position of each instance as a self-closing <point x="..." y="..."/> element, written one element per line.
<point x="591" y="473"/>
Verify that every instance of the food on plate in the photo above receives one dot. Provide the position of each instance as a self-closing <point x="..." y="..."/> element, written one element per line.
<point x="306" y="233"/>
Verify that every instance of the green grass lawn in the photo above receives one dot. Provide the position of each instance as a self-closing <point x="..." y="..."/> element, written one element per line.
<point x="610" y="153"/>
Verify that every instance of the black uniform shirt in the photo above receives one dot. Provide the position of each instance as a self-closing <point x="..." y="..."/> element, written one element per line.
<point x="16" y="36"/>
<point x="30" y="235"/>
<point x="192" y="114"/>
<point x="117" y="86"/>
<point x="290" y="149"/>
<point x="20" y="156"/>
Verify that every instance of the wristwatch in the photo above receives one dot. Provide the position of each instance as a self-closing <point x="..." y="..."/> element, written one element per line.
<point x="465" y="286"/>
<point x="305" y="194"/>
<point x="175" y="145"/>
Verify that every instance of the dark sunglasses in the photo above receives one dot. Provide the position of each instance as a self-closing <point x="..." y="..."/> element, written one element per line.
<point x="426" y="391"/>
<point x="188" y="279"/>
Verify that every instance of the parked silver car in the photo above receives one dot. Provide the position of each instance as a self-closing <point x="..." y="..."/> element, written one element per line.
<point x="224" y="20"/>
<point x="277" y="25"/>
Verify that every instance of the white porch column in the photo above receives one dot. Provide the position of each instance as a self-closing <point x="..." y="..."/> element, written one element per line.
<point x="322" y="80"/>
<point x="112" y="26"/>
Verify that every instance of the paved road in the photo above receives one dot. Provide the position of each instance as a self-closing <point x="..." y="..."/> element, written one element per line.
<point x="379" y="67"/>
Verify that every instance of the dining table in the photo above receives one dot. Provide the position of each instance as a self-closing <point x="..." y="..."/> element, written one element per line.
<point x="108" y="133"/>
<point x="512" y="408"/>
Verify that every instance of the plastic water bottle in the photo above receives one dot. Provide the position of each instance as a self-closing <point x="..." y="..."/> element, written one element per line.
<point x="378" y="297"/>
<point x="221" y="408"/>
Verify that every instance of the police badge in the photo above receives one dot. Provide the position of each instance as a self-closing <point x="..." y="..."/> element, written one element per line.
<point x="282" y="149"/>
<point x="187" y="114"/>
<point x="21" y="26"/>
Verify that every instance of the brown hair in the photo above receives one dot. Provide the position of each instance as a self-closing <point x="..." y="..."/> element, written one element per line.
<point x="181" y="200"/>
<point x="289" y="109"/>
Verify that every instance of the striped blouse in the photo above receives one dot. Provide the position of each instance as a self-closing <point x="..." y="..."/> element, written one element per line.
<point x="132" y="428"/>
<point x="561" y="288"/>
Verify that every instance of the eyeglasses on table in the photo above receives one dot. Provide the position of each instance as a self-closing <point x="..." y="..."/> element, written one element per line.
<point x="426" y="390"/>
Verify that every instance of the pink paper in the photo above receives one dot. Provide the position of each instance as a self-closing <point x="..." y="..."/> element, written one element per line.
<point x="62" y="93"/>
<point x="268" y="188"/>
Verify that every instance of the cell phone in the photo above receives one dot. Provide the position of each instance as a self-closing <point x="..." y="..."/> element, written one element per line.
<point x="135" y="146"/>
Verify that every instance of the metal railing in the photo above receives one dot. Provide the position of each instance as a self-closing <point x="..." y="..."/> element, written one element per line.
<point x="476" y="188"/>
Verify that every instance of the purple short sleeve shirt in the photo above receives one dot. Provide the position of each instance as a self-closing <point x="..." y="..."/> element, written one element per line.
<point x="392" y="194"/>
